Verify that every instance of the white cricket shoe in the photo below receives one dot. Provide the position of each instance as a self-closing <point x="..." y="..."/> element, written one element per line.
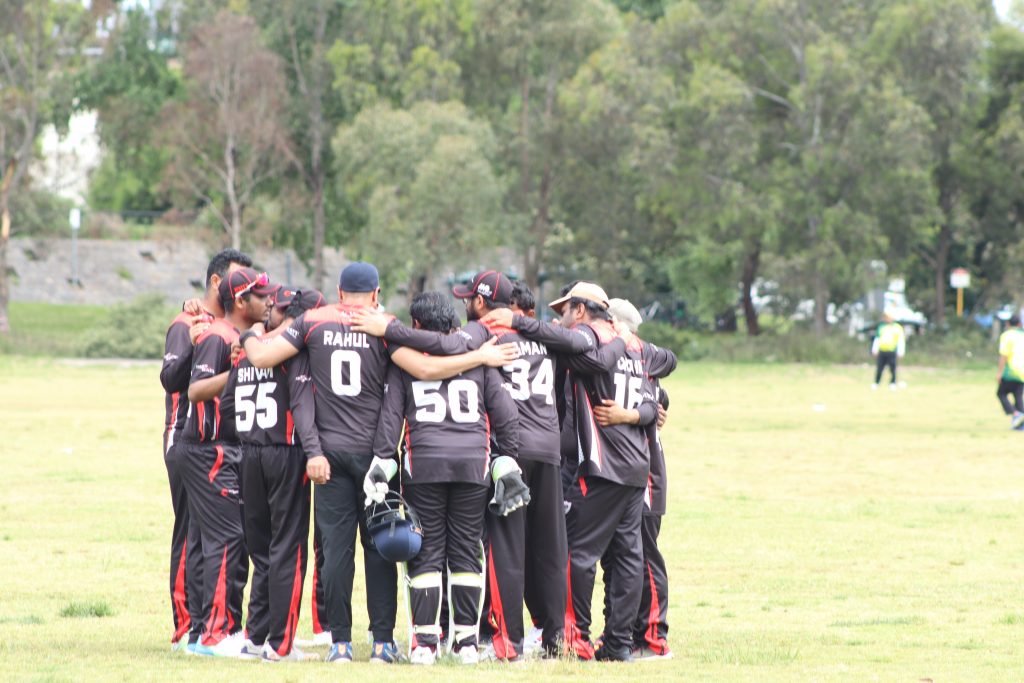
<point x="423" y="656"/>
<point x="296" y="655"/>
<point x="322" y="639"/>
<point x="250" y="650"/>
<point x="231" y="646"/>
<point x="533" y="641"/>
<point x="468" y="654"/>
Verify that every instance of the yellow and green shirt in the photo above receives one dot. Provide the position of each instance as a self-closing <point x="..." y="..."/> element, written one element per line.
<point x="890" y="337"/>
<point x="1011" y="345"/>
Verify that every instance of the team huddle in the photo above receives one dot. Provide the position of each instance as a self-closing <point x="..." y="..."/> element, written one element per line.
<point x="483" y="466"/>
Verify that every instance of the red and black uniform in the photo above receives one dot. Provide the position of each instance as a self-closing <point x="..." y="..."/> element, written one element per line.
<point x="528" y="546"/>
<point x="447" y="428"/>
<point x="274" y="412"/>
<point x="650" y="630"/>
<point x="211" y="474"/>
<point x="186" y="575"/>
<point x="348" y="369"/>
<point x="606" y="500"/>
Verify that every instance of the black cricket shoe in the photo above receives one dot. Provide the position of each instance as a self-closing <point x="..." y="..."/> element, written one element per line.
<point x="610" y="653"/>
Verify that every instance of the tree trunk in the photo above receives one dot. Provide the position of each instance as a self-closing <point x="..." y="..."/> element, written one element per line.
<point x="5" y="237"/>
<point x="750" y="265"/>
<point x="941" y="266"/>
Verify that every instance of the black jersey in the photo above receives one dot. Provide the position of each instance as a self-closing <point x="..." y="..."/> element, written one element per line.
<point x="212" y="356"/>
<point x="610" y="370"/>
<point x="268" y="404"/>
<point x="174" y="376"/>
<point x="447" y="425"/>
<point x="348" y="369"/>
<point x="529" y="379"/>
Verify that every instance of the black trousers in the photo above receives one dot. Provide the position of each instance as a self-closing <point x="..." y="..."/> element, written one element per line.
<point x="528" y="547"/>
<point x="650" y="629"/>
<point x="276" y="494"/>
<point x="211" y="475"/>
<point x="1014" y="388"/>
<point x="604" y="517"/>
<point x="186" y="575"/>
<point x="452" y="515"/>
<point x="885" y="359"/>
<point x="319" y="611"/>
<point x="339" y="512"/>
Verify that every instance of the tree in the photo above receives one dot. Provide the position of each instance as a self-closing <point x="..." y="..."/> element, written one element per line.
<point x="933" y="48"/>
<point x="227" y="134"/>
<point x="302" y="34"/>
<point x="423" y="181"/>
<point x="523" y="51"/>
<point x="39" y="43"/>
<point x="128" y="86"/>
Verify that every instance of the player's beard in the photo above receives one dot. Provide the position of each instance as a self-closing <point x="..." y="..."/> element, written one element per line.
<point x="471" y="313"/>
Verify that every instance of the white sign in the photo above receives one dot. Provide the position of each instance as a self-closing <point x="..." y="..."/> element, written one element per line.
<point x="960" y="278"/>
<point x="75" y="218"/>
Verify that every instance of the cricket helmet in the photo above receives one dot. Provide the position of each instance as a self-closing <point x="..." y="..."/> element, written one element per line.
<point x="394" y="528"/>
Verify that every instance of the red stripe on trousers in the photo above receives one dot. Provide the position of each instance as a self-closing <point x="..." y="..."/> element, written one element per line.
<point x="293" y="608"/>
<point x="201" y="420"/>
<point x="215" y="631"/>
<point x="179" y="599"/>
<point x="657" y="644"/>
<point x="503" y="648"/>
<point x="574" y="640"/>
<point x="583" y="487"/>
<point x="289" y="428"/>
<point x="216" y="464"/>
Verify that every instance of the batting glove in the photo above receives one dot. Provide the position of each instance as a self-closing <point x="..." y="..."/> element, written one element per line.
<point x="375" y="483"/>
<point x="510" y="491"/>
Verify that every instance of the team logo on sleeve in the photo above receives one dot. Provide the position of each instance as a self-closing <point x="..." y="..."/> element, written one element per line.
<point x="169" y="357"/>
<point x="294" y="333"/>
<point x="203" y="367"/>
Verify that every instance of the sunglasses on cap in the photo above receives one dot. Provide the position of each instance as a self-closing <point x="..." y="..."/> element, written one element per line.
<point x="262" y="280"/>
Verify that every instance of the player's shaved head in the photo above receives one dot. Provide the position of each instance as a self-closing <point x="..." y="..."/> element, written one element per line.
<point x="433" y="311"/>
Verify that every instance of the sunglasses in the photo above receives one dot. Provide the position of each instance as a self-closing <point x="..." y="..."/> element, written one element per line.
<point x="262" y="280"/>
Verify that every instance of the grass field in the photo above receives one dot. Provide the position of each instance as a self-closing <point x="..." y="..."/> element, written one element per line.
<point x="817" y="531"/>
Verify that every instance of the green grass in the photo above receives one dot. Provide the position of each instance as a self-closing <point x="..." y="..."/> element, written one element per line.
<point x="877" y="539"/>
<point x="80" y="610"/>
<point x="48" y="329"/>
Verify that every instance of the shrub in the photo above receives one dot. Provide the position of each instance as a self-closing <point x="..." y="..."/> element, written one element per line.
<point x="133" y="330"/>
<point x="684" y="343"/>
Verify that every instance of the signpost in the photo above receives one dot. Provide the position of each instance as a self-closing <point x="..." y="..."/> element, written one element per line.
<point x="959" y="279"/>
<point x="75" y="219"/>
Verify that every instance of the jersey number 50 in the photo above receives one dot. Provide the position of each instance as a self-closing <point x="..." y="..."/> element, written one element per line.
<point x="432" y="407"/>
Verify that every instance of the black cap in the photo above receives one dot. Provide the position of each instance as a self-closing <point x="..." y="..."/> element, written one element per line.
<point x="490" y="284"/>
<point x="243" y="280"/>
<point x="359" y="277"/>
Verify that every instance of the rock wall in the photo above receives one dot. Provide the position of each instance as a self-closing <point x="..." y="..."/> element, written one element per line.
<point x="114" y="271"/>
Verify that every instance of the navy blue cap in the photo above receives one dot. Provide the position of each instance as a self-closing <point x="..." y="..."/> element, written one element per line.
<point x="359" y="277"/>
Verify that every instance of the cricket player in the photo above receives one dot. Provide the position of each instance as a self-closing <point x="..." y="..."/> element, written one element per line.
<point x="888" y="346"/>
<point x="447" y="471"/>
<point x="349" y="370"/>
<point x="274" y="414"/>
<point x="650" y="629"/>
<point x="211" y="463"/>
<point x="1011" y="372"/>
<point x="186" y="579"/>
<point x="606" y="499"/>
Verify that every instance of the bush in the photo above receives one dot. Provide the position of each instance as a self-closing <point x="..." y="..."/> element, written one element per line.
<point x="684" y="343"/>
<point x="133" y="330"/>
